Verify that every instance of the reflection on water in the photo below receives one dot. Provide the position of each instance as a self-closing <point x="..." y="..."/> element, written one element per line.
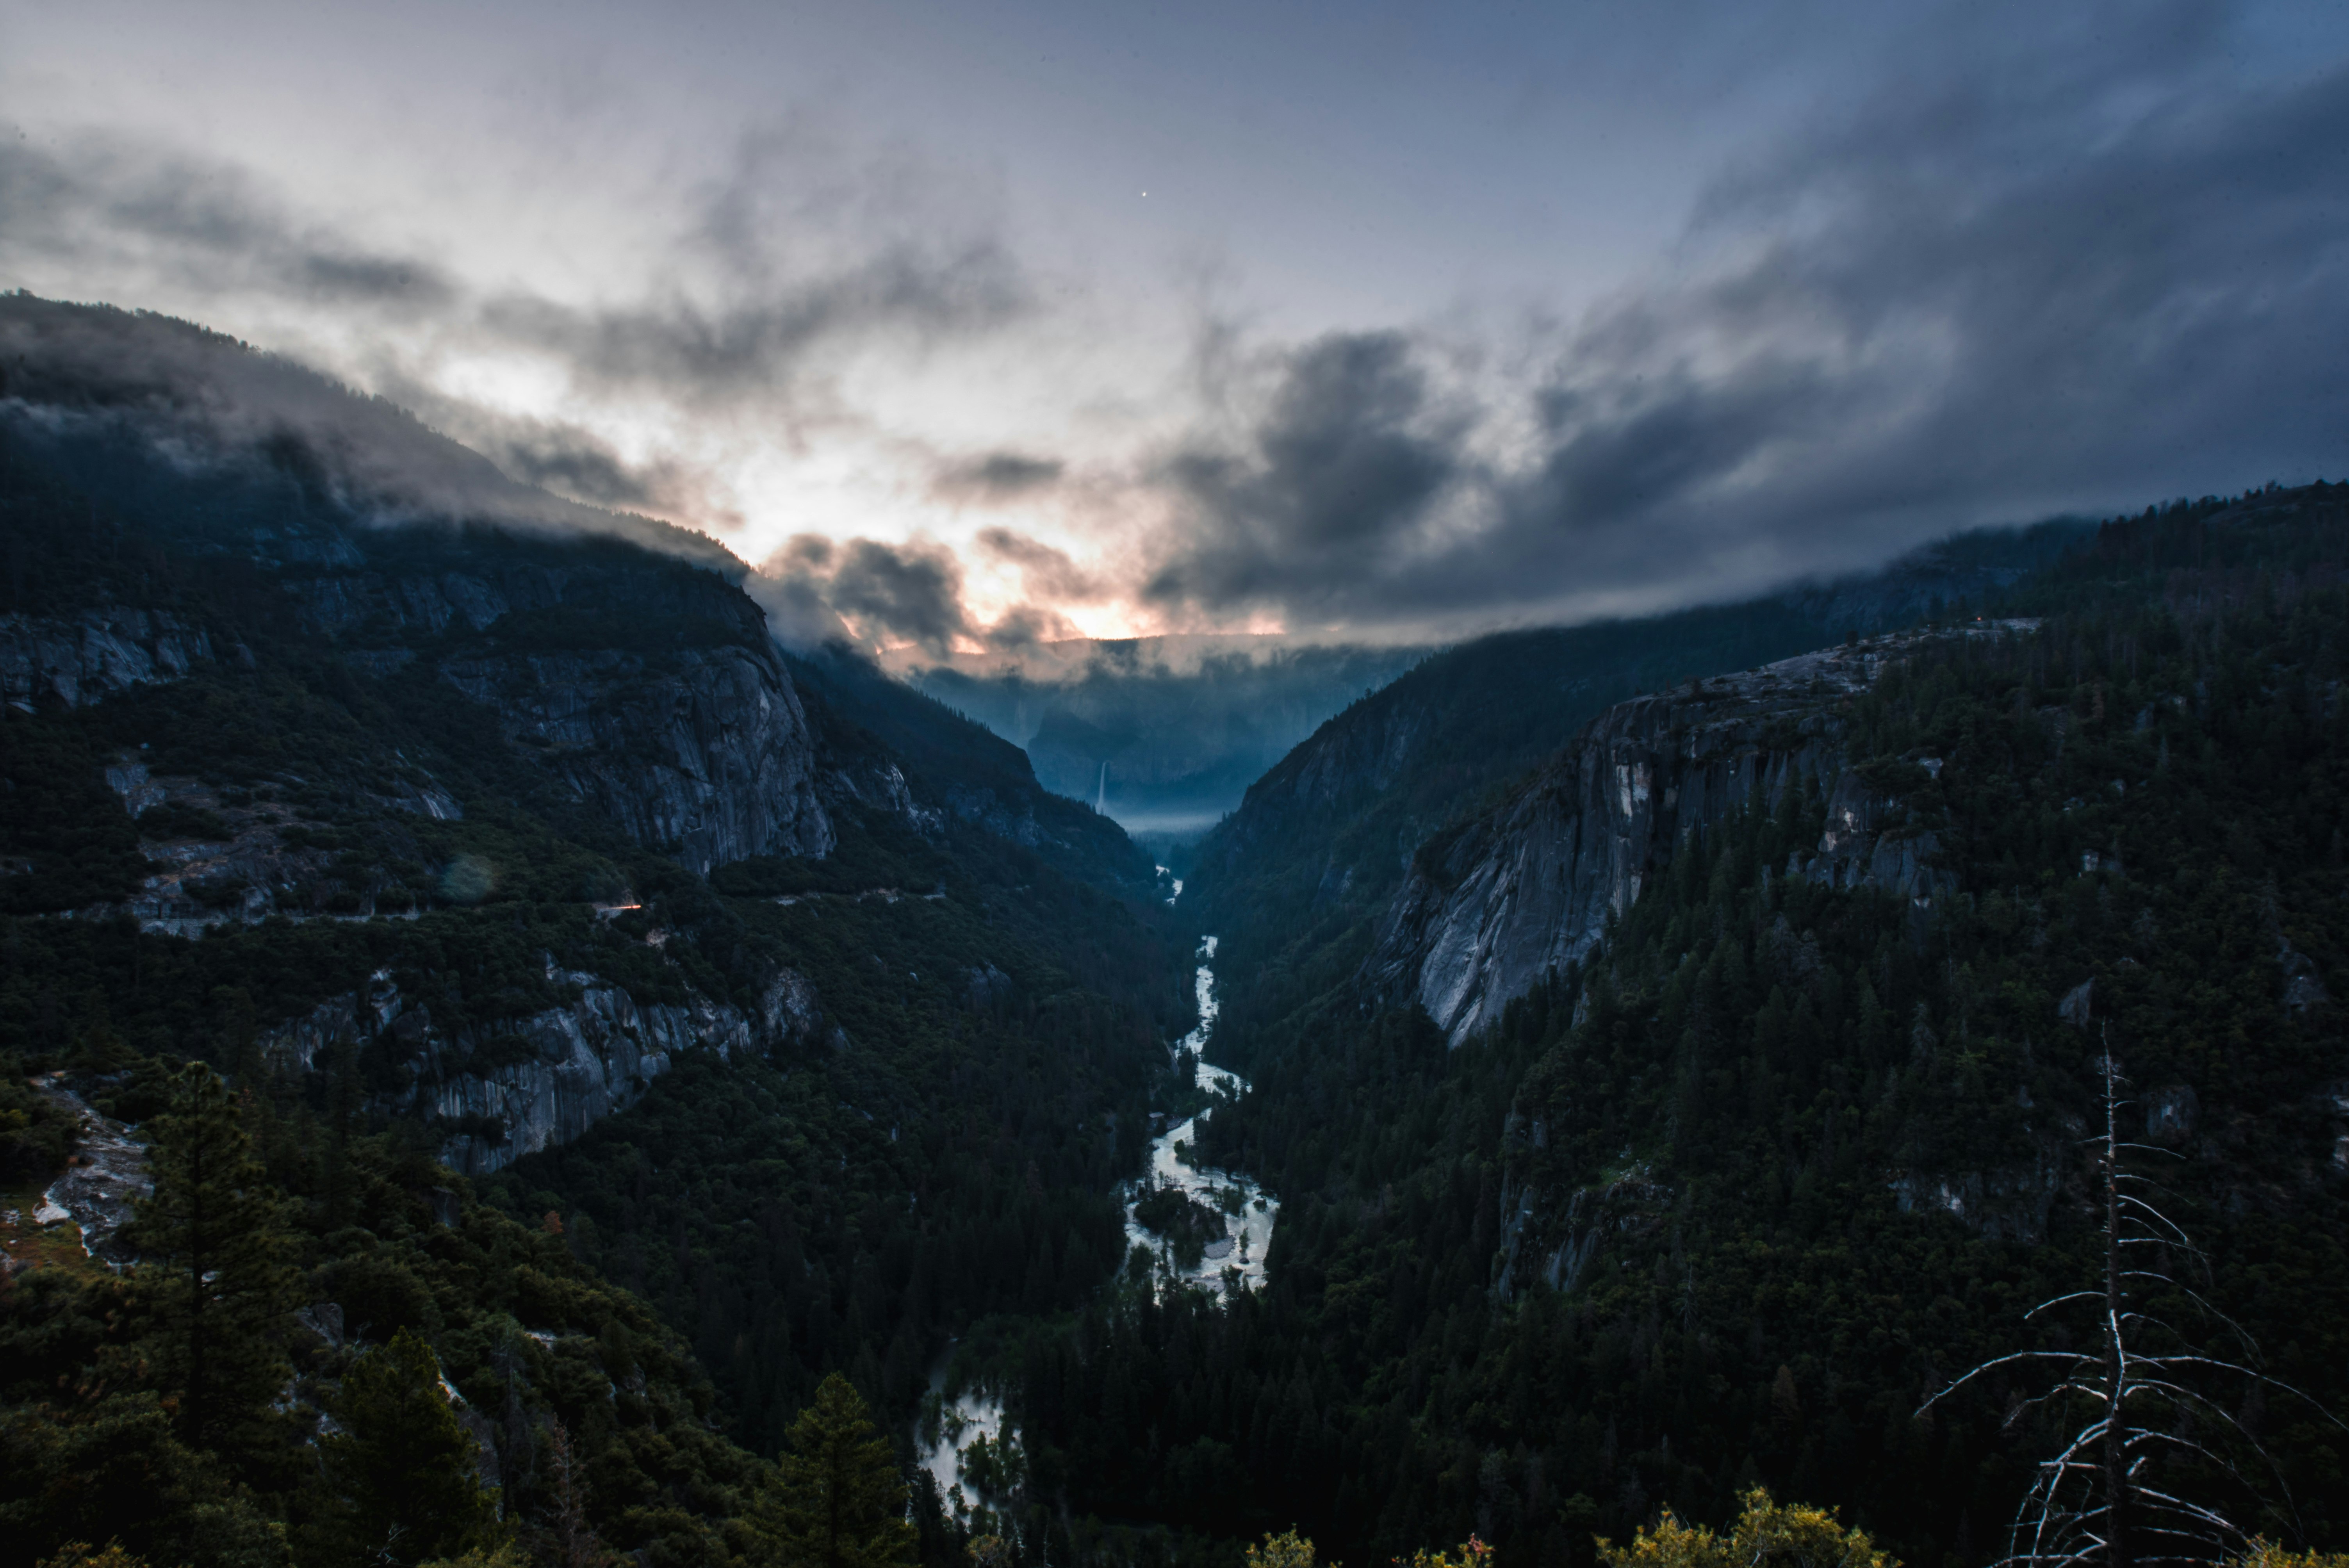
<point x="1234" y="1261"/>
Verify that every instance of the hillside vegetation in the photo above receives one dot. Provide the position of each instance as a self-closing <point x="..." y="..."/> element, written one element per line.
<point x="1727" y="1206"/>
<point x="404" y="822"/>
<point x="530" y="1070"/>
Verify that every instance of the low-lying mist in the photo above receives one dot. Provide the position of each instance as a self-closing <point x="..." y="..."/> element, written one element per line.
<point x="1163" y="734"/>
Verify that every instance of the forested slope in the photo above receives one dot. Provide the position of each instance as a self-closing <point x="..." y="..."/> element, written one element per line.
<point x="1295" y="881"/>
<point x="506" y="841"/>
<point x="560" y="1029"/>
<point x="1727" y="1203"/>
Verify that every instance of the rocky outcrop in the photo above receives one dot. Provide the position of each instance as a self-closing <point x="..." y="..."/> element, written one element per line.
<point x="1553" y="1241"/>
<point x="101" y="1191"/>
<point x="2008" y="1202"/>
<point x="79" y="658"/>
<point x="876" y="784"/>
<point x="1488" y="911"/>
<point x="650" y="689"/>
<point x="704" y="753"/>
<point x="502" y="1090"/>
<point x="261" y="861"/>
<point x="2304" y="985"/>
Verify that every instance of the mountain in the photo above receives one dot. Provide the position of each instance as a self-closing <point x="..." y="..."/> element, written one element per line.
<point x="1493" y="906"/>
<point x="239" y="443"/>
<point x="509" y="870"/>
<point x="1673" y="1046"/>
<point x="979" y="777"/>
<point x="1297" y="879"/>
<point x="1717" y="1093"/>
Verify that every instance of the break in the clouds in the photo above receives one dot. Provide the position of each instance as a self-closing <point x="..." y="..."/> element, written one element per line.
<point x="1717" y="298"/>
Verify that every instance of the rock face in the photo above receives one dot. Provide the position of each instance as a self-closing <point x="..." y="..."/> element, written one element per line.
<point x="2006" y="1204"/>
<point x="523" y="1085"/>
<point x="1367" y="753"/>
<point x="1549" y="1242"/>
<point x="259" y="866"/>
<point x="700" y="747"/>
<point x="709" y="756"/>
<point x="1528" y="888"/>
<point x="101" y="1190"/>
<point x="620" y="653"/>
<point x="650" y="690"/>
<point x="79" y="658"/>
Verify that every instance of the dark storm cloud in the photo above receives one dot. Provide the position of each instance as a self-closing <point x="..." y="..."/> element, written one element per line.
<point x="1967" y="301"/>
<point x="800" y="244"/>
<point x="891" y="594"/>
<point x="1025" y="626"/>
<point x="916" y="594"/>
<point x="757" y="345"/>
<point x="564" y="457"/>
<point x="112" y="206"/>
<point x="577" y="463"/>
<point x="995" y="477"/>
<point x="1046" y="572"/>
<point x="1338" y="475"/>
<point x="888" y="596"/>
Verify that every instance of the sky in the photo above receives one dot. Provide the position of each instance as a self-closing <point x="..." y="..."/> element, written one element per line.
<point x="980" y="325"/>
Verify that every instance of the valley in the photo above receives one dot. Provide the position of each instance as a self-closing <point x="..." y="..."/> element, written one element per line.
<point x="1591" y="1071"/>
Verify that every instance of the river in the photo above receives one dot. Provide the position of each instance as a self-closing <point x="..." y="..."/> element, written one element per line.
<point x="1235" y="1262"/>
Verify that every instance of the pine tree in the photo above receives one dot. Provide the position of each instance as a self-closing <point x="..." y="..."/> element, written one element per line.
<point x="836" y="1500"/>
<point x="215" y="1272"/>
<point x="400" y="1471"/>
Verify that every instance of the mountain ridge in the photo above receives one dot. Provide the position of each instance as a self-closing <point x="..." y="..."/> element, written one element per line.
<point x="1322" y="840"/>
<point x="1494" y="905"/>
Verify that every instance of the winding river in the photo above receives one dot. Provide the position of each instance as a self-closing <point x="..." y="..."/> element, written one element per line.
<point x="1233" y="1263"/>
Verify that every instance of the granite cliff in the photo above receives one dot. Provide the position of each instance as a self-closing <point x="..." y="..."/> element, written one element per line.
<point x="1491" y="906"/>
<point x="500" y="1091"/>
<point x="277" y="518"/>
<point x="1299" y="879"/>
<point x="80" y="658"/>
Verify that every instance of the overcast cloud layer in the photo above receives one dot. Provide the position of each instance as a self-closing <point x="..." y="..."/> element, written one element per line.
<point x="1854" y="287"/>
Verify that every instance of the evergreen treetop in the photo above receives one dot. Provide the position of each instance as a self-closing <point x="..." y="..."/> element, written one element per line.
<point x="836" y="1500"/>
<point x="400" y="1471"/>
<point x="216" y="1272"/>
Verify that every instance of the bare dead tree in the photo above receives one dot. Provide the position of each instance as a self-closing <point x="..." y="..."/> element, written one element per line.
<point x="2115" y="1494"/>
<point x="568" y="1541"/>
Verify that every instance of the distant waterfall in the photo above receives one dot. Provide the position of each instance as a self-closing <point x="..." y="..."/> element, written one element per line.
<point x="1101" y="795"/>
